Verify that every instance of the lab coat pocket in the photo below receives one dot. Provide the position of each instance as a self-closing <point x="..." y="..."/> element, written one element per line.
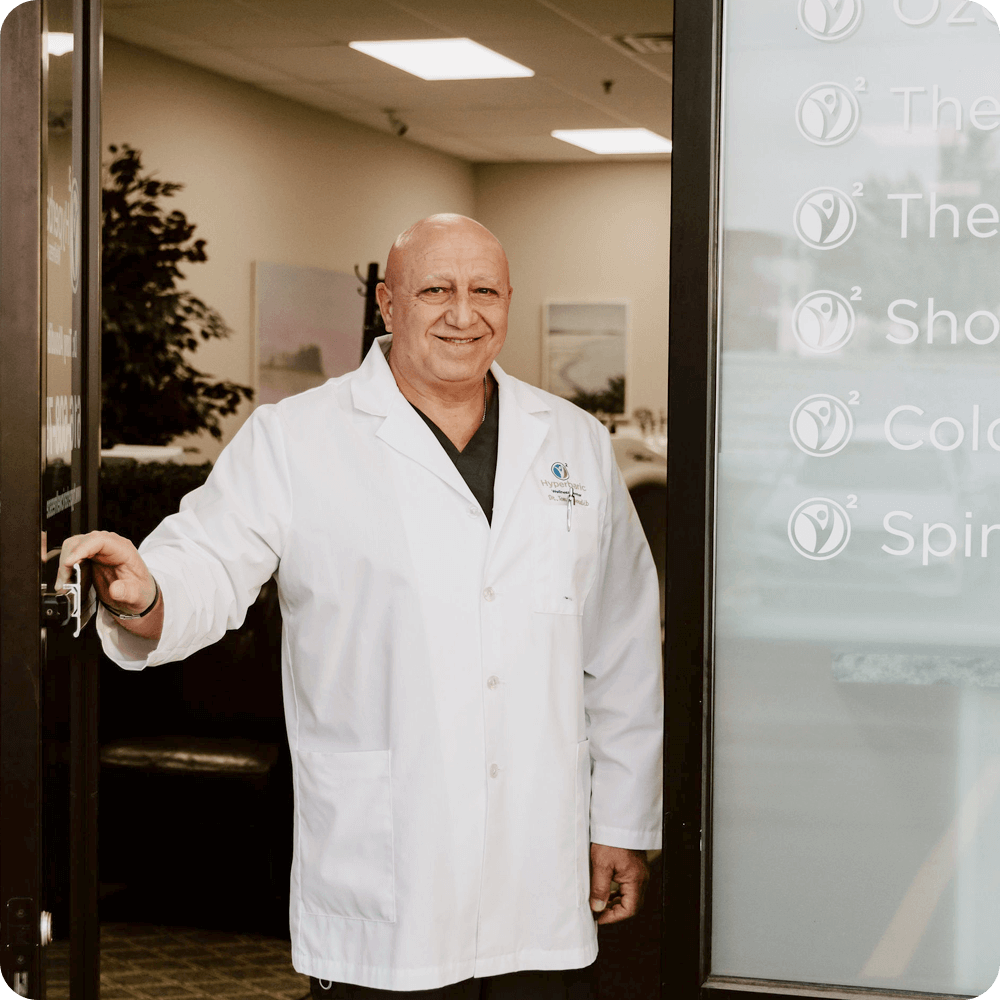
<point x="583" y="768"/>
<point x="566" y="558"/>
<point x="345" y="838"/>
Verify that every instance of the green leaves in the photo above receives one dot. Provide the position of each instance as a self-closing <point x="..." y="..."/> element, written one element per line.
<point x="151" y="392"/>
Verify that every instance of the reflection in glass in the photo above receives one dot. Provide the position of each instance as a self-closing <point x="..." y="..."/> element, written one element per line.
<point x="62" y="469"/>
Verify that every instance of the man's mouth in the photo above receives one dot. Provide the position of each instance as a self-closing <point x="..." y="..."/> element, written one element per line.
<point x="459" y="340"/>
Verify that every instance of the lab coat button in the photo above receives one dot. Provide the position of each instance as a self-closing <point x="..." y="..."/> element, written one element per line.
<point x="494" y="770"/>
<point x="489" y="594"/>
<point x="473" y="512"/>
<point x="493" y="682"/>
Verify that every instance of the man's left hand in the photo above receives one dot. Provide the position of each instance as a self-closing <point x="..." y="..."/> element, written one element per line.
<point x="629" y="870"/>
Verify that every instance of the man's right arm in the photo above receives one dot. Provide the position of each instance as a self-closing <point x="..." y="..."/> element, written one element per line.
<point x="208" y="560"/>
<point x="120" y="577"/>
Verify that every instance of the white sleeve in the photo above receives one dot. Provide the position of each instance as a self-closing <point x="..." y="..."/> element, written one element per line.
<point x="212" y="557"/>
<point x="623" y="679"/>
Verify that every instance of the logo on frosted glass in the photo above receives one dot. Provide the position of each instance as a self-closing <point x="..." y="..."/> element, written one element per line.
<point x="823" y="322"/>
<point x="821" y="425"/>
<point x="830" y="20"/>
<point x="828" y="114"/>
<point x="819" y="528"/>
<point x="825" y="218"/>
<point x="75" y="244"/>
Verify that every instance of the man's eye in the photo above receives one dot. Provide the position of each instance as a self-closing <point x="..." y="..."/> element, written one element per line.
<point x="434" y="290"/>
<point x="486" y="291"/>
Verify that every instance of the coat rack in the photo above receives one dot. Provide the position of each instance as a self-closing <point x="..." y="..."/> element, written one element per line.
<point x="374" y="327"/>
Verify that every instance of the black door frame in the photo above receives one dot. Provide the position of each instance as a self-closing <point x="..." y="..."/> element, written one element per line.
<point x="21" y="91"/>
<point x="694" y="258"/>
<point x="23" y="64"/>
<point x="85" y="944"/>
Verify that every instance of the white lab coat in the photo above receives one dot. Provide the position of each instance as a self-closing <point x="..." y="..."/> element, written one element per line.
<point x="467" y="706"/>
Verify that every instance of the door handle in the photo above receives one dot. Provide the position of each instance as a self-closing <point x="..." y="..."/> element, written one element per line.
<point x="59" y="610"/>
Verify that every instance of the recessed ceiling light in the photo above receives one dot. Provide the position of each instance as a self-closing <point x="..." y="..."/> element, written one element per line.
<point x="615" y="140"/>
<point x="444" y="59"/>
<point x="60" y="42"/>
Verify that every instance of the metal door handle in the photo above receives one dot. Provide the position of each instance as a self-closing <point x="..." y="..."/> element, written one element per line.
<point x="61" y="609"/>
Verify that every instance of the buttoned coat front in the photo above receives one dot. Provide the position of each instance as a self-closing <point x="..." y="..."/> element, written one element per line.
<point x="468" y="705"/>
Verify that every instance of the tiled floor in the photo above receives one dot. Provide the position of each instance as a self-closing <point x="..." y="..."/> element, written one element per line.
<point x="143" y="962"/>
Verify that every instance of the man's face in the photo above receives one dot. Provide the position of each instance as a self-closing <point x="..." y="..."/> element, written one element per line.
<point x="446" y="305"/>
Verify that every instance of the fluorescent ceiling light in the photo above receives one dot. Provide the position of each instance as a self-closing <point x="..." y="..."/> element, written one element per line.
<point x="60" y="42"/>
<point x="444" y="59"/>
<point x="615" y="140"/>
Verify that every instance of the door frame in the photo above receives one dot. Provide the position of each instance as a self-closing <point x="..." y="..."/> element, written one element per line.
<point x="21" y="92"/>
<point x="691" y="418"/>
<point x="23" y="67"/>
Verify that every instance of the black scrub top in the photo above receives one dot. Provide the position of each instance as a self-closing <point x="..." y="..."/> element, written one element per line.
<point x="477" y="462"/>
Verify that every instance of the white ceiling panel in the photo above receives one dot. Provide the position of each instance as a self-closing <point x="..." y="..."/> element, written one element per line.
<point x="297" y="48"/>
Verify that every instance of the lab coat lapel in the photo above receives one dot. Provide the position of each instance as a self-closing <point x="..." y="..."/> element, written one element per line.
<point x="374" y="391"/>
<point x="522" y="431"/>
<point x="405" y="430"/>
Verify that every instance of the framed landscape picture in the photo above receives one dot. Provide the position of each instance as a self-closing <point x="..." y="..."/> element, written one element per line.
<point x="585" y="353"/>
<point x="309" y="325"/>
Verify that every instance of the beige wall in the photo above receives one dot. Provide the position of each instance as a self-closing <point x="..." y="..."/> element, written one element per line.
<point x="269" y="179"/>
<point x="584" y="232"/>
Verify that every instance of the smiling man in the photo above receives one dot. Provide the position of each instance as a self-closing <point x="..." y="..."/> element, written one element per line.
<point x="471" y="646"/>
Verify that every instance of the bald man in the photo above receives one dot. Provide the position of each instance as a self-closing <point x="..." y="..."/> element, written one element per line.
<point x="470" y="655"/>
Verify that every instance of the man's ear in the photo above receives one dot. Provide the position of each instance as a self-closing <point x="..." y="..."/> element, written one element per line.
<point x="384" y="297"/>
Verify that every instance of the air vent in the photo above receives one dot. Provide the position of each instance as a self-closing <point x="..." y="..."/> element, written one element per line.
<point x="656" y="44"/>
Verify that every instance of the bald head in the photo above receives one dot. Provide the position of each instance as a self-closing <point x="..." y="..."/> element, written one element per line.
<point x="442" y="227"/>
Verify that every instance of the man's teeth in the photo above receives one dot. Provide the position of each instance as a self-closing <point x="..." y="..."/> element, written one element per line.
<point x="455" y="340"/>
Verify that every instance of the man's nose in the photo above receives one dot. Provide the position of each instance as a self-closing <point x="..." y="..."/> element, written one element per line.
<point x="461" y="313"/>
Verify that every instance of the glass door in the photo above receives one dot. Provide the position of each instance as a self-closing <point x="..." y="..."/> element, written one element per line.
<point x="49" y="421"/>
<point x="850" y="797"/>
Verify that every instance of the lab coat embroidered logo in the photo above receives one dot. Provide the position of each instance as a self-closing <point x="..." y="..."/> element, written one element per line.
<point x="561" y="489"/>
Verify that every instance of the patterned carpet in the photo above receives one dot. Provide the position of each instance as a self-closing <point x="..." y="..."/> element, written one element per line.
<point x="143" y="962"/>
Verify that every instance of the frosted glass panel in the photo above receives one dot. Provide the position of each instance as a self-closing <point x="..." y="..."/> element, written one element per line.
<point x="857" y="708"/>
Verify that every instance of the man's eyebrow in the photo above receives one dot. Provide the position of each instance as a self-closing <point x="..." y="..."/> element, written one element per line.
<point x="430" y="280"/>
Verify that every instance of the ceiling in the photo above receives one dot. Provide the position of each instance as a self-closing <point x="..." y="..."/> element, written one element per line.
<point x="298" y="48"/>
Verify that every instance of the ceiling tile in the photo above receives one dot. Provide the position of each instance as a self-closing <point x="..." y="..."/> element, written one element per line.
<point x="131" y="26"/>
<point x="619" y="18"/>
<point x="343" y="21"/>
<point x="230" y="64"/>
<point x="511" y="18"/>
<point x="223" y="22"/>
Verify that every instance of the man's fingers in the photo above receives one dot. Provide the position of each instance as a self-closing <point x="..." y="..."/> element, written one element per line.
<point x="626" y="905"/>
<point x="75" y="548"/>
<point x="600" y="884"/>
<point x="619" y="899"/>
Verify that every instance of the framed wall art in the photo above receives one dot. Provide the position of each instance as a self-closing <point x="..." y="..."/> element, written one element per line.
<point x="585" y="353"/>
<point x="309" y="325"/>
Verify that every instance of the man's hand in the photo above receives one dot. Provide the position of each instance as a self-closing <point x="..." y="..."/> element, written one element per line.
<point x="629" y="870"/>
<point x="120" y="577"/>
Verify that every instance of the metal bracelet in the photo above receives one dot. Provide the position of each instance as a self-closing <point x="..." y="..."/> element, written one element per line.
<point x="142" y="614"/>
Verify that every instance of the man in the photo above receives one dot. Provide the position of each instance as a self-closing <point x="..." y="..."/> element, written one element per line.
<point x="471" y="664"/>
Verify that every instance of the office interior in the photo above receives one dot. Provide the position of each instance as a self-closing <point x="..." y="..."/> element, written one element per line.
<point x="294" y="150"/>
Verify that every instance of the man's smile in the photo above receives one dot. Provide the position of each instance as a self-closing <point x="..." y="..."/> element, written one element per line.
<point x="458" y="340"/>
